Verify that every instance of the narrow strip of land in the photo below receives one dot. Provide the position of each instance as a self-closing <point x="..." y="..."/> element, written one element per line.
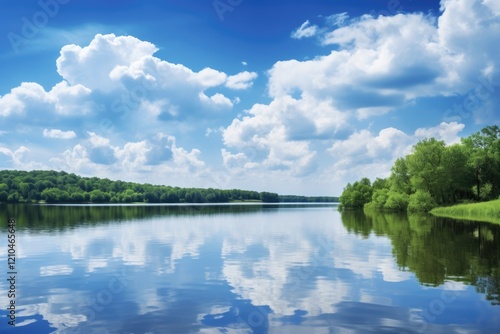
<point x="485" y="211"/>
<point x="40" y="186"/>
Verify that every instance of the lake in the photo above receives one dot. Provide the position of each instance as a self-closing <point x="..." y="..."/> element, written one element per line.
<point x="249" y="268"/>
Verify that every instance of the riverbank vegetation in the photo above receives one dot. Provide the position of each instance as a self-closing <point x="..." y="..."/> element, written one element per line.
<point x="434" y="174"/>
<point x="485" y="211"/>
<point x="61" y="187"/>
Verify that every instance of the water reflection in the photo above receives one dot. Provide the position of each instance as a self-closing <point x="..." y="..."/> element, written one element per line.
<point x="145" y="269"/>
<point x="437" y="249"/>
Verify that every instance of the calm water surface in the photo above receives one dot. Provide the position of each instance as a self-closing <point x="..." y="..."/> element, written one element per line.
<point x="248" y="269"/>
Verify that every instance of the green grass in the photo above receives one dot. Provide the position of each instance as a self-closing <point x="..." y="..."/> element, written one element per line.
<point x="485" y="211"/>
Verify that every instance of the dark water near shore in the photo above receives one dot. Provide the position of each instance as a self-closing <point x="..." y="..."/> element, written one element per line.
<point x="247" y="269"/>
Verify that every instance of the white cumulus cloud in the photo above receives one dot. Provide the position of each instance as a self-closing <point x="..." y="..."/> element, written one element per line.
<point x="242" y="80"/>
<point x="381" y="63"/>
<point x="56" y="133"/>
<point x="280" y="133"/>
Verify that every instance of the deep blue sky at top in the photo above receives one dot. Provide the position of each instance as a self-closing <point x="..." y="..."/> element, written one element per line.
<point x="186" y="31"/>
<point x="189" y="32"/>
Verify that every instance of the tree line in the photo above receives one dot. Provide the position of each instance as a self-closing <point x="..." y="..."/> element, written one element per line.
<point x="62" y="187"/>
<point x="434" y="174"/>
<point x="306" y="199"/>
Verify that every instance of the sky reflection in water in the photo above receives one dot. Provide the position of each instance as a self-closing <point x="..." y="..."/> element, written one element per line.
<point x="265" y="270"/>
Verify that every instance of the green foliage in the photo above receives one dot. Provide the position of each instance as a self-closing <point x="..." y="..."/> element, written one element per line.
<point x="305" y="199"/>
<point x="195" y="196"/>
<point x="55" y="195"/>
<point x="152" y="197"/>
<point x="388" y="200"/>
<point x="455" y="163"/>
<point x="13" y="197"/>
<point x="77" y="197"/>
<point x="426" y="170"/>
<point x="379" y="198"/>
<point x="436" y="174"/>
<point x="355" y="196"/>
<point x="61" y="187"/>
<point x="268" y="197"/>
<point x="380" y="184"/>
<point x="483" y="150"/>
<point x="4" y="187"/>
<point x="484" y="192"/>
<point x="99" y="196"/>
<point x="3" y="196"/>
<point x="396" y="201"/>
<point x="486" y="211"/>
<point x="421" y="201"/>
<point x="400" y="179"/>
<point x="170" y="197"/>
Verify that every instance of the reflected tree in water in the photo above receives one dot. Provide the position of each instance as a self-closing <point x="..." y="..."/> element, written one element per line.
<point x="437" y="249"/>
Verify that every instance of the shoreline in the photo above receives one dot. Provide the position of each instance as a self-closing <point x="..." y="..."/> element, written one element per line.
<point x="488" y="212"/>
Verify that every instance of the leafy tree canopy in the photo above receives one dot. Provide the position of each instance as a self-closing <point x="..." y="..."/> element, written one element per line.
<point x="61" y="187"/>
<point x="434" y="174"/>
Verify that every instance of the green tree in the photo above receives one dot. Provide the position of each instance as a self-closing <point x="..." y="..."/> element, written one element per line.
<point x="483" y="149"/>
<point x="3" y="196"/>
<point x="151" y="197"/>
<point x="426" y="170"/>
<point x="380" y="184"/>
<point x="99" y="196"/>
<point x="55" y="195"/>
<point x="355" y="196"/>
<point x="13" y="197"/>
<point x="77" y="197"/>
<point x="4" y="187"/>
<point x="194" y="196"/>
<point x="268" y="197"/>
<point x="35" y="195"/>
<point x="460" y="175"/>
<point x="171" y="197"/>
<point x="181" y="192"/>
<point x="400" y="178"/>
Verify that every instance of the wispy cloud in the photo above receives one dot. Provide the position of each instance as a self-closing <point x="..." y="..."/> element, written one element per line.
<point x="305" y="30"/>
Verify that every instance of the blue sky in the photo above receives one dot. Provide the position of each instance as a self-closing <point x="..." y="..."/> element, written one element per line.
<point x="297" y="97"/>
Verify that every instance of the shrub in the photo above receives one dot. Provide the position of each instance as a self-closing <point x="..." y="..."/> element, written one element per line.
<point x="379" y="198"/>
<point x="77" y="197"/>
<point x="99" y="196"/>
<point x="421" y="201"/>
<point x="13" y="197"/>
<point x="54" y="195"/>
<point x="396" y="201"/>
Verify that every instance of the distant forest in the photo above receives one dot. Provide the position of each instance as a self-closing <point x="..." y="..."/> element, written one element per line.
<point x="61" y="187"/>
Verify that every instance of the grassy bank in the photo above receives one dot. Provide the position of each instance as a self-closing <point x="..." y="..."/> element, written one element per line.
<point x="485" y="211"/>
